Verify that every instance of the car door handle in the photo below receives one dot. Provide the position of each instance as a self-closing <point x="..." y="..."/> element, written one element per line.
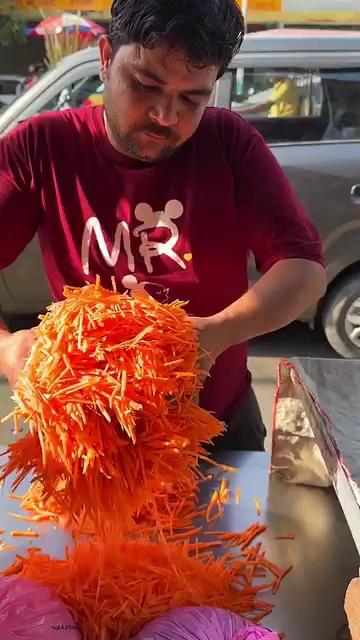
<point x="355" y="194"/>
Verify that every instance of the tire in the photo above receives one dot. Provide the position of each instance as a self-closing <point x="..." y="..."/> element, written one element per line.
<point x="334" y="316"/>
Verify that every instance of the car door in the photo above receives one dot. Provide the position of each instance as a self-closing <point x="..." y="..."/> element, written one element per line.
<point x="325" y="172"/>
<point x="317" y="143"/>
<point x="24" y="285"/>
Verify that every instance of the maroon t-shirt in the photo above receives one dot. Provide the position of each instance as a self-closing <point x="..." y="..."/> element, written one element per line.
<point x="181" y="228"/>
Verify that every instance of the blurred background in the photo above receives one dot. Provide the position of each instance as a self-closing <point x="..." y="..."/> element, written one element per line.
<point x="17" y="51"/>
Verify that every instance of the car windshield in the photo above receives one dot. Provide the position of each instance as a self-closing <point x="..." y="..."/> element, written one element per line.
<point x="21" y="93"/>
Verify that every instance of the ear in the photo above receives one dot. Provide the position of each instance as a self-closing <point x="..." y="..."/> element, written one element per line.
<point x="174" y="209"/>
<point x="105" y="57"/>
<point x="144" y="213"/>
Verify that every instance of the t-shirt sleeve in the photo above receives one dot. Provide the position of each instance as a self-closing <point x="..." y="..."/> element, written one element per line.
<point x="20" y="205"/>
<point x="272" y="217"/>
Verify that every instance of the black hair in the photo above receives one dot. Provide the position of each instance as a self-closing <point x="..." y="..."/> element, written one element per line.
<point x="210" y="32"/>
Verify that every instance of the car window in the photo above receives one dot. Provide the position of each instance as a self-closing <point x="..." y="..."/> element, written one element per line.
<point x="342" y="87"/>
<point x="8" y="86"/>
<point x="285" y="105"/>
<point x="86" y="91"/>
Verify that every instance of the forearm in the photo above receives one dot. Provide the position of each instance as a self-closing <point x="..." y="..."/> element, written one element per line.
<point x="279" y="297"/>
<point x="256" y="108"/>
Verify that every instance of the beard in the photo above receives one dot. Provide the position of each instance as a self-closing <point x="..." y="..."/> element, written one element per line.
<point x="128" y="142"/>
<point x="131" y="147"/>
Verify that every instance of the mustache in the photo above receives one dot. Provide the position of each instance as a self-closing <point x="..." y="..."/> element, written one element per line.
<point x="158" y="130"/>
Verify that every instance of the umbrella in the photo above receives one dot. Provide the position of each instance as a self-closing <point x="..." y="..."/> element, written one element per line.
<point x="66" y="23"/>
<point x="64" y="34"/>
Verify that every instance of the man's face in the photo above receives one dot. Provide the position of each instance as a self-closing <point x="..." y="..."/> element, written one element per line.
<point x="153" y="99"/>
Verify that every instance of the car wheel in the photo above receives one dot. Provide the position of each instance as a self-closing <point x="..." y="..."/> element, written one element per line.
<point x="341" y="317"/>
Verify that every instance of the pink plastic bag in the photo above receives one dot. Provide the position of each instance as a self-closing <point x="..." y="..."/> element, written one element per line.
<point x="202" y="623"/>
<point x="255" y="633"/>
<point x="30" y="611"/>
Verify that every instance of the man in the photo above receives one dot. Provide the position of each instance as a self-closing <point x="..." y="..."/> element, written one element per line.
<point x="284" y="101"/>
<point x="33" y="75"/>
<point x="166" y="195"/>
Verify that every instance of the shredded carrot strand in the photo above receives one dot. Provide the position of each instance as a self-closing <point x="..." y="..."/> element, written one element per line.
<point x="35" y="518"/>
<point x="7" y="547"/>
<point x="257" y="507"/>
<point x="24" y="534"/>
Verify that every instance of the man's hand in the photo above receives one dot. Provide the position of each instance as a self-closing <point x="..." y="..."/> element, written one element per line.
<point x="352" y="607"/>
<point x="211" y="339"/>
<point x="279" y="297"/>
<point x="14" y="350"/>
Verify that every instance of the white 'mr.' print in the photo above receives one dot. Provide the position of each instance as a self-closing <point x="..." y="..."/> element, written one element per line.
<point x="93" y="226"/>
<point x="148" y="249"/>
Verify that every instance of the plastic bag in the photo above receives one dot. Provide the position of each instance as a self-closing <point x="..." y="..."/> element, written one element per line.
<point x="202" y="623"/>
<point x="30" y="611"/>
<point x="256" y="633"/>
<point x="296" y="455"/>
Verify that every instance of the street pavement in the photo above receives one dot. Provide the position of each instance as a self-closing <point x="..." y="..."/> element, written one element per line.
<point x="265" y="354"/>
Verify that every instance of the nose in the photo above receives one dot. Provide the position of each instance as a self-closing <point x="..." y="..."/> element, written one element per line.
<point x="164" y="112"/>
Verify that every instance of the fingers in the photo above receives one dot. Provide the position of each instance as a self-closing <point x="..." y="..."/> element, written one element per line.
<point x="17" y="352"/>
<point x="352" y="608"/>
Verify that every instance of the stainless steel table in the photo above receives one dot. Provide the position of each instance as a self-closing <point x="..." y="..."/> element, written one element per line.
<point x="309" y="605"/>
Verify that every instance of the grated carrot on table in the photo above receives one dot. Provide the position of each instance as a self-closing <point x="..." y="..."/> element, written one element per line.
<point x="139" y="580"/>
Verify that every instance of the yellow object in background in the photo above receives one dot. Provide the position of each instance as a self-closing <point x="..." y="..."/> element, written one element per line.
<point x="285" y="99"/>
<point x="264" y="5"/>
<point x="94" y="100"/>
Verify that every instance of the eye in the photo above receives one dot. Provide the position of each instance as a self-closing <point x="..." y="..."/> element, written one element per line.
<point x="190" y="103"/>
<point x="143" y="87"/>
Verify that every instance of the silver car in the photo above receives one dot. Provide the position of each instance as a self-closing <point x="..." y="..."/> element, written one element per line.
<point x="301" y="90"/>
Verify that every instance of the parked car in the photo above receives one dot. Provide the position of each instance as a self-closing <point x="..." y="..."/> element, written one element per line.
<point x="318" y="148"/>
<point x="10" y="88"/>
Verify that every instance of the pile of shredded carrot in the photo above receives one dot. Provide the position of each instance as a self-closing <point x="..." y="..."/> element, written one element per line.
<point x="108" y="395"/>
<point x="114" y="448"/>
<point x="112" y="588"/>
